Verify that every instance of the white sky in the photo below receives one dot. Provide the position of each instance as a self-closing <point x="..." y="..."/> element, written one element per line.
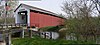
<point x="50" y="5"/>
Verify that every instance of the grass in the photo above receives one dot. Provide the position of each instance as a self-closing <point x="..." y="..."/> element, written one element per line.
<point x="40" y="41"/>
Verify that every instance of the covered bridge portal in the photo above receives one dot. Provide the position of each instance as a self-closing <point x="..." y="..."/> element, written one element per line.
<point x="36" y="17"/>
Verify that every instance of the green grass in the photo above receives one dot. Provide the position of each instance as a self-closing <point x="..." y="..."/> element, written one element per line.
<point x="40" y="41"/>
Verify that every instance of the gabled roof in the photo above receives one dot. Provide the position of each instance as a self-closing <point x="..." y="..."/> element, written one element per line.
<point x="49" y="12"/>
<point x="44" y="11"/>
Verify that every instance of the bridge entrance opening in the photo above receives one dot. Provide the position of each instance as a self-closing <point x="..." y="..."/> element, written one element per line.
<point x="22" y="17"/>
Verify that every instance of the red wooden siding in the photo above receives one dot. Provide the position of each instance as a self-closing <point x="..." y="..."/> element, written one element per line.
<point x="43" y="20"/>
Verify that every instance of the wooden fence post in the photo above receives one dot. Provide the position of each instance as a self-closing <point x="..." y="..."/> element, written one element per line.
<point x="8" y="39"/>
<point x="30" y="33"/>
<point x="22" y="33"/>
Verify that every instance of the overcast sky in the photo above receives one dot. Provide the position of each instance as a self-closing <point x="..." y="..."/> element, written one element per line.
<point x="51" y="5"/>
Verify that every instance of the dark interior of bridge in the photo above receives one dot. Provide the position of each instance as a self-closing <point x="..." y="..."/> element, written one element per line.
<point x="23" y="16"/>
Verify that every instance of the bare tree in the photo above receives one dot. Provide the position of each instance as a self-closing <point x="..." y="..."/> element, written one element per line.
<point x="97" y="5"/>
<point x="12" y="5"/>
<point x="81" y="20"/>
<point x="77" y="8"/>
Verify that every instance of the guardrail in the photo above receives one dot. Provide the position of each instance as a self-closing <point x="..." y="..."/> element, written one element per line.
<point x="2" y="26"/>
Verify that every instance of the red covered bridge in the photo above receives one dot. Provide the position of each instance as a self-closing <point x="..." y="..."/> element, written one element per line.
<point x="36" y="17"/>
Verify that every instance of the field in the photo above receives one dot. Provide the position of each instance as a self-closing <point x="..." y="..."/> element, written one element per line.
<point x="40" y="41"/>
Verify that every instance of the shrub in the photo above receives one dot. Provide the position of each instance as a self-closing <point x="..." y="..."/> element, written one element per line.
<point x="51" y="28"/>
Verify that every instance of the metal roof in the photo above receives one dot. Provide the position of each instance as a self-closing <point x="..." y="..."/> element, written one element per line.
<point x="39" y="9"/>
